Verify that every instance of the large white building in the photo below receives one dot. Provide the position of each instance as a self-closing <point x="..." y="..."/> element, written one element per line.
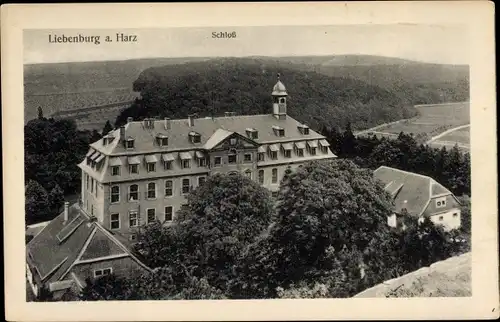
<point x="144" y="170"/>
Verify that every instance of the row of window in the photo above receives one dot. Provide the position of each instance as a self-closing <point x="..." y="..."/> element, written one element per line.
<point x="91" y="184"/>
<point x="151" y="189"/>
<point x="133" y="217"/>
<point x="232" y="158"/>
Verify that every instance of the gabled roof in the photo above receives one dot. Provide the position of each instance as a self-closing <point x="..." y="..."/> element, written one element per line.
<point x="409" y="190"/>
<point x="52" y="256"/>
<point x="178" y="133"/>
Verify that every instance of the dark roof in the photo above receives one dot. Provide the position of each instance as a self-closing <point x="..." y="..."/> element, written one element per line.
<point x="178" y="133"/>
<point x="50" y="257"/>
<point x="60" y="244"/>
<point x="409" y="190"/>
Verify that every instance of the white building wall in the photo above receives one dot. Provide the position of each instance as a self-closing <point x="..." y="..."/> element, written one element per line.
<point x="449" y="219"/>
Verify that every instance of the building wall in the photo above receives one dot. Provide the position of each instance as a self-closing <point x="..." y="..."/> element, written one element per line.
<point x="124" y="206"/>
<point x="449" y="219"/>
<point x="432" y="208"/>
<point x="124" y="267"/>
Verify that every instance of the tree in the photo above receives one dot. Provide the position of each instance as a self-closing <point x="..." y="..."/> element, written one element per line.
<point x="37" y="206"/>
<point x="107" y="128"/>
<point x="222" y="217"/>
<point x="325" y="210"/>
<point x="109" y="287"/>
<point x="56" y="199"/>
<point x="40" y="113"/>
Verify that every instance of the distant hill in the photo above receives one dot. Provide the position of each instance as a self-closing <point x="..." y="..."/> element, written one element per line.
<point x="244" y="86"/>
<point x="63" y="86"/>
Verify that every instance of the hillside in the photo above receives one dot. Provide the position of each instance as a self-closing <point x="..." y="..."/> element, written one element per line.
<point x="65" y="86"/>
<point x="244" y="86"/>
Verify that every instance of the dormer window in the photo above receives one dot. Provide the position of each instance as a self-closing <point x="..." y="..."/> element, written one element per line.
<point x="279" y="131"/>
<point x="303" y="129"/>
<point x="194" y="137"/>
<point x="129" y="143"/>
<point x="233" y="141"/>
<point x="107" y="139"/>
<point x="252" y="133"/>
<point x="162" y="140"/>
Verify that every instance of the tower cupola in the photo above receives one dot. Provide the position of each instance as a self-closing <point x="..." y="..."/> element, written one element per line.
<point x="279" y="100"/>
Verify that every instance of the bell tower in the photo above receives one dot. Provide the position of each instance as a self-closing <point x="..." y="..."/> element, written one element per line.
<point x="279" y="100"/>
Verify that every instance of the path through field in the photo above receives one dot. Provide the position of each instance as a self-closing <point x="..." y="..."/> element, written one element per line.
<point x="435" y="138"/>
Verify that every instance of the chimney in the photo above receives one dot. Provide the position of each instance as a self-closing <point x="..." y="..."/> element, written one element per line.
<point x="66" y="211"/>
<point x="167" y="123"/>
<point x="122" y="133"/>
<point x="191" y="118"/>
<point x="130" y="119"/>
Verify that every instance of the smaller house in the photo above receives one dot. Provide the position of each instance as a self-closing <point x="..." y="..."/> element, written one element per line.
<point x="419" y="196"/>
<point x="73" y="247"/>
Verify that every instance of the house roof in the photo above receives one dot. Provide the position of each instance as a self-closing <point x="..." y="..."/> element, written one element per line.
<point x="212" y="130"/>
<point x="409" y="190"/>
<point x="61" y="244"/>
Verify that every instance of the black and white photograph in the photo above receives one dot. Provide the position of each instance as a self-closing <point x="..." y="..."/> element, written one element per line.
<point x="248" y="162"/>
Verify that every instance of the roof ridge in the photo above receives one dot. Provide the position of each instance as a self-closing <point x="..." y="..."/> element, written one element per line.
<point x="406" y="172"/>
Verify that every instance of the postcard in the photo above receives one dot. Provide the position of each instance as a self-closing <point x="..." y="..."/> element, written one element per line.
<point x="250" y="161"/>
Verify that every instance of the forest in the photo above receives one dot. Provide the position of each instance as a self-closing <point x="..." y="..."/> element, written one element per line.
<point x="258" y="248"/>
<point x="52" y="151"/>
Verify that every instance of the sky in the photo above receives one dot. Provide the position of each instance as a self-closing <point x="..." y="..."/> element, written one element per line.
<point x="445" y="44"/>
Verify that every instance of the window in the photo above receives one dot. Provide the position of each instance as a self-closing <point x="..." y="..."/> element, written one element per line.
<point x="248" y="157"/>
<point x="231" y="158"/>
<point x="274" y="155"/>
<point x="130" y="144"/>
<point x="115" y="194"/>
<point x="114" y="221"/>
<point x="260" y="156"/>
<point x="186" y="164"/>
<point x="201" y="162"/>
<point x="275" y="175"/>
<point x="133" y="192"/>
<point x="312" y="151"/>
<point x="163" y="141"/>
<point x="440" y="218"/>
<point x="455" y="215"/>
<point x="151" y="190"/>
<point x="169" y="213"/>
<point x="169" y="188"/>
<point x="324" y="149"/>
<point x="282" y="100"/>
<point x="196" y="138"/>
<point x="300" y="152"/>
<point x="132" y="219"/>
<point x="91" y="185"/>
<point x="167" y="165"/>
<point x="441" y="202"/>
<point x="274" y="194"/>
<point x="92" y="210"/>
<point x="233" y="141"/>
<point x="151" y="167"/>
<point x="287" y="153"/>
<point x="133" y="168"/>
<point x="217" y="161"/>
<point x="306" y="131"/>
<point x="151" y="212"/>
<point x="87" y="180"/>
<point x="261" y="176"/>
<point x="248" y="173"/>
<point x="185" y="186"/>
<point x="115" y="170"/>
<point x="102" y="272"/>
<point x="201" y="181"/>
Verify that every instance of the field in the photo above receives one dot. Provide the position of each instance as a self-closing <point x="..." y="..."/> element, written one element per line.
<point x="433" y="119"/>
<point x="434" y="125"/>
